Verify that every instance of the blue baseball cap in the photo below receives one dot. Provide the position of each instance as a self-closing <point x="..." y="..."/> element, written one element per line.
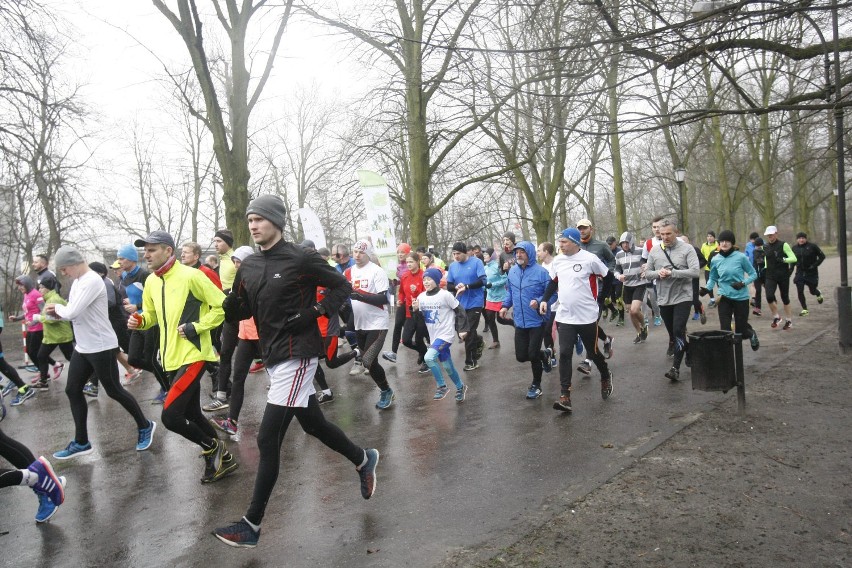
<point x="571" y="234"/>
<point x="129" y="252"/>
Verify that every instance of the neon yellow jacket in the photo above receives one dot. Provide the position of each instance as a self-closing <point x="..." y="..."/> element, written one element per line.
<point x="183" y="295"/>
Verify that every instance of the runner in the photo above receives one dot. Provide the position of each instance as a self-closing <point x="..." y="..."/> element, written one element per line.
<point x="94" y="353"/>
<point x="495" y="282"/>
<point x="57" y="333"/>
<point x="779" y="266"/>
<point x="465" y="279"/>
<point x="809" y="257"/>
<point x="602" y="251"/>
<point x="414" y="333"/>
<point x="628" y="271"/>
<point x="286" y="311"/>
<point x="186" y="305"/>
<point x="400" y="315"/>
<point x="708" y="248"/>
<point x="575" y="273"/>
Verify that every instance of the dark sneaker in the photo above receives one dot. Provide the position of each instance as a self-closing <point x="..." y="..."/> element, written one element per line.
<point x="756" y="311"/>
<point x="820" y="299"/>
<point x="216" y="405"/>
<point x="547" y="357"/>
<point x="323" y="398"/>
<point x="461" y="393"/>
<point x="90" y="390"/>
<point x="146" y="436"/>
<point x="533" y="393"/>
<point x="607" y="347"/>
<point x="441" y="393"/>
<point x="41" y="385"/>
<point x="787" y="325"/>
<point x="563" y="404"/>
<point x="471" y="366"/>
<point x="638" y="339"/>
<point x="367" y="473"/>
<point x="578" y="346"/>
<point x="775" y="321"/>
<point x="48" y="483"/>
<point x="755" y="342"/>
<point x="803" y="313"/>
<point x="606" y="386"/>
<point x="673" y="374"/>
<point x="424" y="368"/>
<point x="386" y="398"/>
<point x="620" y="322"/>
<point x="239" y="534"/>
<point x="389" y="356"/>
<point x="670" y="350"/>
<point x="585" y="367"/>
<point x="643" y="332"/>
<point x="218" y="463"/>
<point x="703" y="317"/>
<point x="27" y="394"/>
<point x="480" y="347"/>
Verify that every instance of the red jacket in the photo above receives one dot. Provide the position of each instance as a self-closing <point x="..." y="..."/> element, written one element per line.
<point x="410" y="286"/>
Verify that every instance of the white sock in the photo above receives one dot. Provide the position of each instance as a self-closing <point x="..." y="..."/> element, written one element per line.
<point x="363" y="463"/>
<point x="29" y="478"/>
<point x="222" y="395"/>
<point x="253" y="526"/>
<point x="326" y="391"/>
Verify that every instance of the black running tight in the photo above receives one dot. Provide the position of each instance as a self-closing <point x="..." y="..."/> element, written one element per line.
<point x="182" y="407"/>
<point x="273" y="426"/>
<point x="16" y="454"/>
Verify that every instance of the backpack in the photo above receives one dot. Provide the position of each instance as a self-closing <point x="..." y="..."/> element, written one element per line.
<point x="759" y="262"/>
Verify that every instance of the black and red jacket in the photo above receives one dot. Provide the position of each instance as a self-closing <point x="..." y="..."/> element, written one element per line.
<point x="274" y="284"/>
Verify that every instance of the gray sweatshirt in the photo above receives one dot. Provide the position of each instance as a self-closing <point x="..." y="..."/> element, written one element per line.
<point x="676" y="288"/>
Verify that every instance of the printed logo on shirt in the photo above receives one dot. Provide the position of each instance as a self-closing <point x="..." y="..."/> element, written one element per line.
<point x="578" y="267"/>
<point x="276" y="275"/>
<point x="361" y="284"/>
<point x="431" y="316"/>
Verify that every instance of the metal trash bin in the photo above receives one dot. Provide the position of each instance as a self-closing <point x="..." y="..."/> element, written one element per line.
<point x="713" y="364"/>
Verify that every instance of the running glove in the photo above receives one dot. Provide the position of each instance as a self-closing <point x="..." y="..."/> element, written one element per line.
<point x="737" y="285"/>
<point x="703" y="291"/>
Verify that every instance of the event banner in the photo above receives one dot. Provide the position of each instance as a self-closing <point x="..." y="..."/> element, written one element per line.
<point x="377" y="204"/>
<point x="312" y="227"/>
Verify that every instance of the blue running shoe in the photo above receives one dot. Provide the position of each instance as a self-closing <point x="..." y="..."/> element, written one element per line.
<point x="367" y="473"/>
<point x="48" y="483"/>
<point x="9" y="389"/>
<point x="578" y="346"/>
<point x="658" y="321"/>
<point x="146" y="436"/>
<point x="461" y="393"/>
<point x="160" y="398"/>
<point x="533" y="393"/>
<point x="386" y="399"/>
<point x="240" y="534"/>
<point x="46" y="507"/>
<point x="73" y="450"/>
<point x="27" y="394"/>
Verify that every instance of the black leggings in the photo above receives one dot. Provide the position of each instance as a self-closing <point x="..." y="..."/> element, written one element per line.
<point x="783" y="286"/>
<point x="103" y="365"/>
<point x="528" y="348"/>
<point x="247" y="351"/>
<point x="568" y="333"/>
<point x="675" y="317"/>
<point x="273" y="426"/>
<point x="182" y="407"/>
<point x="33" y="344"/>
<point x="8" y="370"/>
<point x="738" y="310"/>
<point x="371" y="342"/>
<point x="471" y="342"/>
<point x="16" y="454"/>
<point x="230" y="338"/>
<point x="811" y="283"/>
<point x="547" y="338"/>
<point x="43" y="358"/>
<point x="759" y="284"/>
<point x="143" y="354"/>
<point x="490" y="317"/>
<point x="415" y="336"/>
<point x="398" y="323"/>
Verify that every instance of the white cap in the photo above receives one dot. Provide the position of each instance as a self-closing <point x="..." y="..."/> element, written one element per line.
<point x="770" y="230"/>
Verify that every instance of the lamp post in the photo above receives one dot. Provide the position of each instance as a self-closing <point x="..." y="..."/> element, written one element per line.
<point x="680" y="177"/>
<point x="843" y="292"/>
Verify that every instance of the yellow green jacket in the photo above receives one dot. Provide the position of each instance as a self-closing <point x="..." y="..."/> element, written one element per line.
<point x="227" y="270"/>
<point x="183" y="295"/>
<point x="56" y="331"/>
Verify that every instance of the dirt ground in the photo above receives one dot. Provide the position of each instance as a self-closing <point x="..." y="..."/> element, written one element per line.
<point x="771" y="488"/>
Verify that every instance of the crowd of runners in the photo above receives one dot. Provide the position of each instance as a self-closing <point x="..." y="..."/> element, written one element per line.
<point x="284" y="308"/>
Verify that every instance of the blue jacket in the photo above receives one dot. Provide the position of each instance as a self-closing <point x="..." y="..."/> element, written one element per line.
<point x="526" y="284"/>
<point x="726" y="270"/>
<point x="493" y="276"/>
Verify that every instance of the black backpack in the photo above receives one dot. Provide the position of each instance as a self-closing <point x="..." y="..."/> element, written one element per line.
<point x="759" y="261"/>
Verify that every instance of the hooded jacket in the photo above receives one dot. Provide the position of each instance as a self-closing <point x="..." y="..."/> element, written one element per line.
<point x="526" y="283"/>
<point x="629" y="263"/>
<point x="497" y="279"/>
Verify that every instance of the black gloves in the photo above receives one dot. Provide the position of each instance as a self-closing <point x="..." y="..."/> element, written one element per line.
<point x="703" y="291"/>
<point x="488" y="286"/>
<point x="737" y="285"/>
<point x="235" y="308"/>
<point x="303" y="319"/>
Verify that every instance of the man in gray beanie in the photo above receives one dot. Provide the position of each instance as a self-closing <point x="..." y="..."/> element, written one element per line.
<point x="278" y="287"/>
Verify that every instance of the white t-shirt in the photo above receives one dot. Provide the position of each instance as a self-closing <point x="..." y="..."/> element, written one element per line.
<point x="373" y="279"/>
<point x="87" y="308"/>
<point x="554" y="302"/>
<point x="578" y="286"/>
<point x="438" y="311"/>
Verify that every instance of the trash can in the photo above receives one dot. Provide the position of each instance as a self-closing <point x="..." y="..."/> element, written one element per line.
<point x="713" y="364"/>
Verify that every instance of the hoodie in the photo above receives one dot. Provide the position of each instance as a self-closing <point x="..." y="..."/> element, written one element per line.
<point x="629" y="263"/>
<point x="526" y="283"/>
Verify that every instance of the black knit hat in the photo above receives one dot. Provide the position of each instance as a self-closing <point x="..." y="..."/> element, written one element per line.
<point x="225" y="235"/>
<point x="271" y="208"/>
<point x="727" y="235"/>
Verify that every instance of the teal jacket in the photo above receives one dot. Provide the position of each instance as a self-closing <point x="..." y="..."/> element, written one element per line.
<point x="727" y="270"/>
<point x="493" y="276"/>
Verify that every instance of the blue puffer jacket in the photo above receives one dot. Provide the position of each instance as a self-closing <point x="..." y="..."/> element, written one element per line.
<point x="526" y="284"/>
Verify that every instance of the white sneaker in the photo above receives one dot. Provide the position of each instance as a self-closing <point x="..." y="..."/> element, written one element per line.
<point x="357" y="368"/>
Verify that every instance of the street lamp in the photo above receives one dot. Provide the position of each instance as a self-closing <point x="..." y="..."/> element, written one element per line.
<point x="680" y="177"/>
<point x="843" y="292"/>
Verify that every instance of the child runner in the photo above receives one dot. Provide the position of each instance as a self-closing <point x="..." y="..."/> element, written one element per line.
<point x="437" y="305"/>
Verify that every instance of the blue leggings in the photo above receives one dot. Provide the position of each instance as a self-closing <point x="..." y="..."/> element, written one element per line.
<point x="434" y="364"/>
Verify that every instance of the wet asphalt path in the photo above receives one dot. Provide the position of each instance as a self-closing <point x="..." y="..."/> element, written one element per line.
<point x="451" y="475"/>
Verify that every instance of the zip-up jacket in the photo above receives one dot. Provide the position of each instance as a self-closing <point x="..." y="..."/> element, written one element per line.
<point x="132" y="285"/>
<point x="629" y="262"/>
<point x="526" y="284"/>
<point x="707" y="249"/>
<point x="726" y="270"/>
<point x="55" y="331"/>
<point x="406" y="295"/>
<point x="182" y="295"/>
<point x="677" y="287"/>
<point x="809" y="256"/>
<point x="497" y="279"/>
<point x="277" y="283"/>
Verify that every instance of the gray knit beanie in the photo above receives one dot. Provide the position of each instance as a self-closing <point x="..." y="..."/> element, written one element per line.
<point x="271" y="208"/>
<point x="67" y="256"/>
